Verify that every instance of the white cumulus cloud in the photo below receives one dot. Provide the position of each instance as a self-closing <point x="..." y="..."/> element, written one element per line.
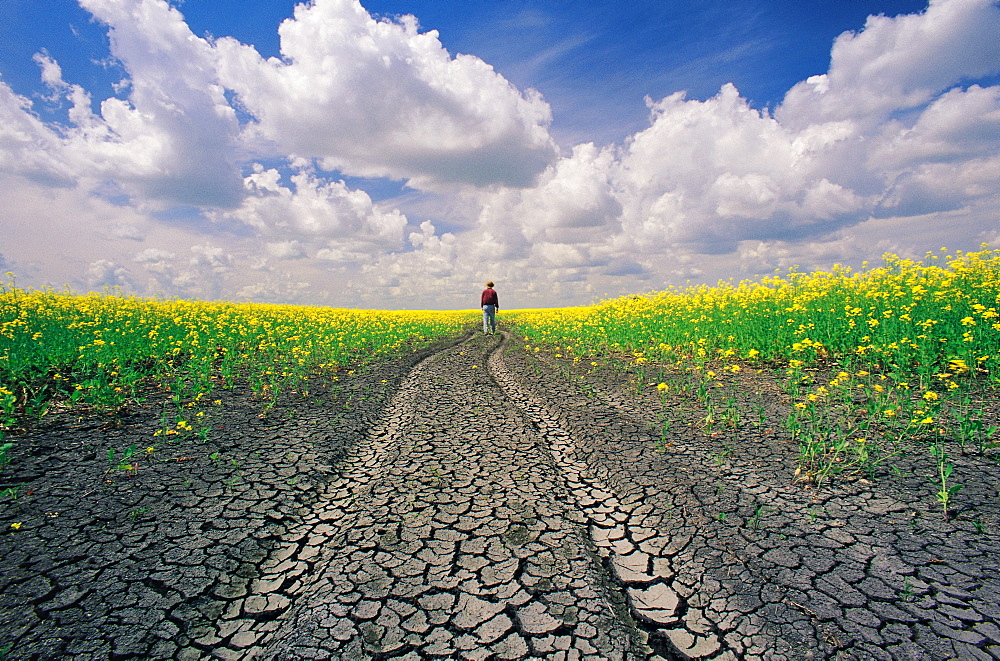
<point x="315" y="210"/>
<point x="900" y="62"/>
<point x="214" y="172"/>
<point x="176" y="124"/>
<point x="379" y="98"/>
<point x="889" y="131"/>
<point x="105" y="273"/>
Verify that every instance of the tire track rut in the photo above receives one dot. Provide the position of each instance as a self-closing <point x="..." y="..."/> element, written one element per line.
<point x="453" y="533"/>
<point x="623" y="533"/>
<point x="469" y="502"/>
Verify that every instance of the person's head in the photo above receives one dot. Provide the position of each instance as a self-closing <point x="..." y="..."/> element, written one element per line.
<point x="489" y="284"/>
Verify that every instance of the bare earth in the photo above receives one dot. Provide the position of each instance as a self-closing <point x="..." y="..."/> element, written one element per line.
<point x="474" y="502"/>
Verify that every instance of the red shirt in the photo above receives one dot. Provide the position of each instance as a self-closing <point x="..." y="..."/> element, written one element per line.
<point x="489" y="297"/>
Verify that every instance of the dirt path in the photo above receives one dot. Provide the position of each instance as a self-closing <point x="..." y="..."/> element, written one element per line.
<point x="471" y="502"/>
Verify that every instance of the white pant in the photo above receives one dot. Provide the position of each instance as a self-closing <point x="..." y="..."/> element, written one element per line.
<point x="489" y="318"/>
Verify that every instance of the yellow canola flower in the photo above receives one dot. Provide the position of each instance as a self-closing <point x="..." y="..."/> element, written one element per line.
<point x="900" y="313"/>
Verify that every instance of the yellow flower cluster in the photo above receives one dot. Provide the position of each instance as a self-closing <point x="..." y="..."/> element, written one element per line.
<point x="98" y="348"/>
<point x="940" y="313"/>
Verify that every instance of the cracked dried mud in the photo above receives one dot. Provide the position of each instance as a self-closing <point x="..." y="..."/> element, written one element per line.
<point x="475" y="502"/>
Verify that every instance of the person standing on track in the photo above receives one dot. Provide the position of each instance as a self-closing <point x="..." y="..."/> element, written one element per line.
<point x="490" y="305"/>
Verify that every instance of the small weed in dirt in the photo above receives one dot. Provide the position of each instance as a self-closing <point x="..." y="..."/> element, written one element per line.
<point x="122" y="463"/>
<point x="758" y="512"/>
<point x="944" y="470"/>
<point x="720" y="457"/>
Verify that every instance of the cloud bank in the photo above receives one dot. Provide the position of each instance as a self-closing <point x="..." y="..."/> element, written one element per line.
<point x="218" y="173"/>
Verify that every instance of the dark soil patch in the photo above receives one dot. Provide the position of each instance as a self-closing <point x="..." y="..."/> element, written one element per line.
<point x="503" y="504"/>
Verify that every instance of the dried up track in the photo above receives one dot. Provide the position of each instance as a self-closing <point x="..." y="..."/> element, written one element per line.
<point x="473" y="504"/>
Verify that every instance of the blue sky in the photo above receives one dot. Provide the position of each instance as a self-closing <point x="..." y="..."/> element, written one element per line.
<point x="573" y="151"/>
<point x="593" y="62"/>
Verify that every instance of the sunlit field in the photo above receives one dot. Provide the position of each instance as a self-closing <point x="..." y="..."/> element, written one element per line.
<point x="98" y="352"/>
<point x="870" y="361"/>
<point x="870" y="364"/>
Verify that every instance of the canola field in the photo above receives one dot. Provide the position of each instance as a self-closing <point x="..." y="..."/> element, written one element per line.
<point x="919" y="317"/>
<point x="98" y="352"/>
<point x="870" y="361"/>
<point x="870" y="364"/>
